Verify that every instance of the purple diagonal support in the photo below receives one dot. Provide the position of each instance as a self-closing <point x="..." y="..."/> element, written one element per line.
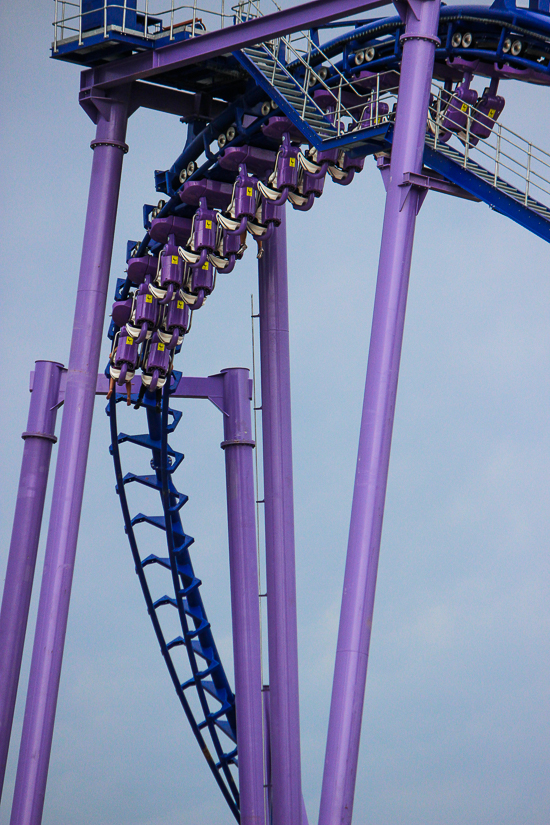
<point x="279" y="530"/>
<point x="39" y="439"/>
<point x="238" y="444"/>
<point x="350" y="673"/>
<point x="53" y="608"/>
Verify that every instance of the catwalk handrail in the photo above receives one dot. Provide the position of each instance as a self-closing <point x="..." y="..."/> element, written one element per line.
<point x="502" y="149"/>
<point x="68" y="26"/>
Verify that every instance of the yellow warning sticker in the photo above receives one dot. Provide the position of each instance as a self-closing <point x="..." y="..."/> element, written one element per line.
<point x="292" y="162"/>
<point x="129" y="340"/>
<point x="180" y="304"/>
<point x="205" y="266"/>
<point x="148" y="299"/>
<point x="492" y="113"/>
<point x="464" y="107"/>
<point x="249" y="191"/>
<point x="208" y="224"/>
<point x="175" y="259"/>
<point x="160" y="347"/>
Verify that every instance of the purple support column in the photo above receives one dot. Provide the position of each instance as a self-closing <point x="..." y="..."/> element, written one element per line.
<point x="34" y="755"/>
<point x="267" y="753"/>
<point x="238" y="444"/>
<point x="402" y="204"/>
<point x="39" y="440"/>
<point x="279" y="533"/>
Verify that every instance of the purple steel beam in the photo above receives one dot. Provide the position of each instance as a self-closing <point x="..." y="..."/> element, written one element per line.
<point x="402" y="203"/>
<point x="279" y="532"/>
<point x="238" y="444"/>
<point x="207" y="46"/>
<point x="174" y="102"/>
<point x="187" y="387"/>
<point x="39" y="440"/>
<point x="34" y="754"/>
<point x="427" y="180"/>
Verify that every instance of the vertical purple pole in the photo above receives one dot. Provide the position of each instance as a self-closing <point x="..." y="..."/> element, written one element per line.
<point x="402" y="203"/>
<point x="279" y="532"/>
<point x="39" y="440"/>
<point x="74" y="439"/>
<point x="267" y="753"/>
<point x="238" y="444"/>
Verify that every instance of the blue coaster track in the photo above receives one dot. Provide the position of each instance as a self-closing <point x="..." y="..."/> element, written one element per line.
<point x="196" y="634"/>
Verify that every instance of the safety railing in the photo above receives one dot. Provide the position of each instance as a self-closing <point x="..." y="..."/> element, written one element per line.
<point x="366" y="101"/>
<point x="508" y="160"/>
<point x="76" y="19"/>
<point x="348" y="104"/>
<point x="280" y="66"/>
<point x="298" y="55"/>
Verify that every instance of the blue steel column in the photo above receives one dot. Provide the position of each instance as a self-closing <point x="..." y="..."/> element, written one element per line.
<point x="402" y="202"/>
<point x="74" y="440"/>
<point x="279" y="533"/>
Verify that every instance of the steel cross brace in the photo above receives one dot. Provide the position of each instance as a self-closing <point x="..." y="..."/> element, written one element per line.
<point x="187" y="387"/>
<point x="425" y="181"/>
<point x="437" y="183"/>
<point x="159" y="98"/>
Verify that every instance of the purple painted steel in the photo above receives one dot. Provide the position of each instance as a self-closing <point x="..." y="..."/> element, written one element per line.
<point x="377" y="419"/>
<point x="211" y="44"/>
<point x="39" y="439"/>
<point x="279" y="530"/>
<point x="74" y="441"/>
<point x="238" y="444"/>
<point x="174" y="102"/>
<point x="267" y="756"/>
<point x="187" y="387"/>
<point x="267" y="752"/>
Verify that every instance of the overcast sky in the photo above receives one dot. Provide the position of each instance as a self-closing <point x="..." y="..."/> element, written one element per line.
<point x="456" y="725"/>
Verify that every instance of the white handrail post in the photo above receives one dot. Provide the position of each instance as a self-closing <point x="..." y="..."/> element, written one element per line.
<point x="468" y="126"/>
<point x="55" y="28"/>
<point x="497" y="162"/>
<point x="306" y="78"/>
<point x="276" y="51"/>
<point x="437" y="120"/>
<point x="527" y="179"/>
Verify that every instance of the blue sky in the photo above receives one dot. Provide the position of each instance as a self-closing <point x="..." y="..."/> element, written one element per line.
<point x="456" y="724"/>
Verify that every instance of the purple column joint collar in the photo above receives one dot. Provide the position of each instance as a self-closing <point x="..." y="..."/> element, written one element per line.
<point x="225" y="444"/>
<point x="118" y="144"/>
<point x="51" y="438"/>
<point x="429" y="38"/>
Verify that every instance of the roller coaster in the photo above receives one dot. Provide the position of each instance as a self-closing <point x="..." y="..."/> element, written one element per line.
<point x="277" y="103"/>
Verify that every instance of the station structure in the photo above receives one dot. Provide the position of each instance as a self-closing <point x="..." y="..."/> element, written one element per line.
<point x="277" y="103"/>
